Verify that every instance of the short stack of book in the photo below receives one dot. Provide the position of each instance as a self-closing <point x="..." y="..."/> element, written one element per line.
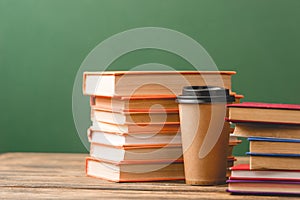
<point x="135" y="132"/>
<point x="233" y="140"/>
<point x="273" y="131"/>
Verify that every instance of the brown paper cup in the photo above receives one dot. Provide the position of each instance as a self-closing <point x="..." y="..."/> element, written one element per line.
<point x="196" y="123"/>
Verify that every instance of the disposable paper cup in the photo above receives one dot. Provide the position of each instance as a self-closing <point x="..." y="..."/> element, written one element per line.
<point x="204" y="133"/>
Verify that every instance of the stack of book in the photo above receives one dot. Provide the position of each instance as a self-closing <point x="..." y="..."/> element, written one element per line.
<point x="233" y="140"/>
<point x="135" y="132"/>
<point x="131" y="140"/>
<point x="273" y="131"/>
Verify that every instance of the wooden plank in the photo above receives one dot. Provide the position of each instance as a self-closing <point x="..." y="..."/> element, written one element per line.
<point x="61" y="176"/>
<point x="67" y="171"/>
<point x="65" y="193"/>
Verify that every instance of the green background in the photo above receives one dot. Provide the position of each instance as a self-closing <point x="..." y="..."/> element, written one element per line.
<point x="43" y="42"/>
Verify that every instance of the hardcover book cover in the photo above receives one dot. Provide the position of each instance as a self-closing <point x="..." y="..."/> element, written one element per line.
<point x="266" y="105"/>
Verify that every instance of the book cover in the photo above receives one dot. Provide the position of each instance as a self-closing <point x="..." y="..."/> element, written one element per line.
<point x="242" y="172"/>
<point x="265" y="193"/>
<point x="266" y="105"/>
<point x="264" y="112"/>
<point x="155" y="170"/>
<point x="262" y="161"/>
<point x="136" y="128"/>
<point x="274" y="155"/>
<point x="274" y="145"/>
<point x="135" y="103"/>
<point x="120" y="73"/>
<point x="137" y="83"/>
<point x="126" y="139"/>
<point x="265" y="181"/>
<point x="267" y="130"/>
<point x="264" y="187"/>
<point x="137" y="117"/>
<point x="141" y="152"/>
<point x="265" y="139"/>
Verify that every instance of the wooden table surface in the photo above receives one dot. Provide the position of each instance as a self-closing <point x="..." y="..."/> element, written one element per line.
<point x="62" y="176"/>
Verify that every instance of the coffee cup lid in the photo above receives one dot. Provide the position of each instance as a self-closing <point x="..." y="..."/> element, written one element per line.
<point x="204" y="94"/>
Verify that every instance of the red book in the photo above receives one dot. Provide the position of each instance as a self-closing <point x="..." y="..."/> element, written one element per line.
<point x="265" y="113"/>
<point x="264" y="187"/>
<point x="266" y="105"/>
<point x="243" y="172"/>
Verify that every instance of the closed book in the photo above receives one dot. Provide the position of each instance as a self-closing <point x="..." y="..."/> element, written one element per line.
<point x="234" y="139"/>
<point x="157" y="170"/>
<point x="230" y="160"/>
<point x="274" y="145"/>
<point x="243" y="171"/>
<point x="274" y="161"/>
<point x="134" y="153"/>
<point x="127" y="139"/>
<point x="267" y="130"/>
<point x="231" y="147"/>
<point x="136" y="128"/>
<point x="135" y="103"/>
<point x="137" y="117"/>
<point x="135" y="83"/>
<point x="238" y="98"/>
<point x="265" y="112"/>
<point x="264" y="187"/>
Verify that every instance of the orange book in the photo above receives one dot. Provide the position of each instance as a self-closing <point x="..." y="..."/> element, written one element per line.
<point x="136" y="153"/>
<point x="155" y="170"/>
<point x="131" y="139"/>
<point x="135" y="83"/>
<point x="135" y="103"/>
<point x="138" y="117"/>
<point x="142" y="103"/>
<point x="171" y="127"/>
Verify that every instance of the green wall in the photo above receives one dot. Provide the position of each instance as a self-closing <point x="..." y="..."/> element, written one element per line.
<point x="43" y="42"/>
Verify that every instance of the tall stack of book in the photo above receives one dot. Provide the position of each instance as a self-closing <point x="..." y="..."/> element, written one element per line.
<point x="143" y="143"/>
<point x="273" y="131"/>
<point x="135" y="123"/>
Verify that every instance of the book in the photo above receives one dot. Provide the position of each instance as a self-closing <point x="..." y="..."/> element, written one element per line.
<point x="274" y="161"/>
<point x="135" y="83"/>
<point x="264" y="187"/>
<point x="230" y="161"/>
<point x="134" y="153"/>
<point x="267" y="130"/>
<point x="135" y="103"/>
<point x="127" y="139"/>
<point x="274" y="145"/>
<point x="135" y="171"/>
<point x="138" y="117"/>
<point x="136" y="128"/>
<point x="242" y="171"/>
<point x="233" y="141"/>
<point x="265" y="112"/>
<point x="238" y="98"/>
<point x="230" y="148"/>
<point x="138" y="103"/>
<point x="233" y="138"/>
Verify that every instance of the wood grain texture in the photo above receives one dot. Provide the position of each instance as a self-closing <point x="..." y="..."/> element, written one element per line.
<point x="62" y="176"/>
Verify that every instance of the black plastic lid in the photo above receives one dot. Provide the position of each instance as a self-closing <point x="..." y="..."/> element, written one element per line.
<point x="204" y="94"/>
